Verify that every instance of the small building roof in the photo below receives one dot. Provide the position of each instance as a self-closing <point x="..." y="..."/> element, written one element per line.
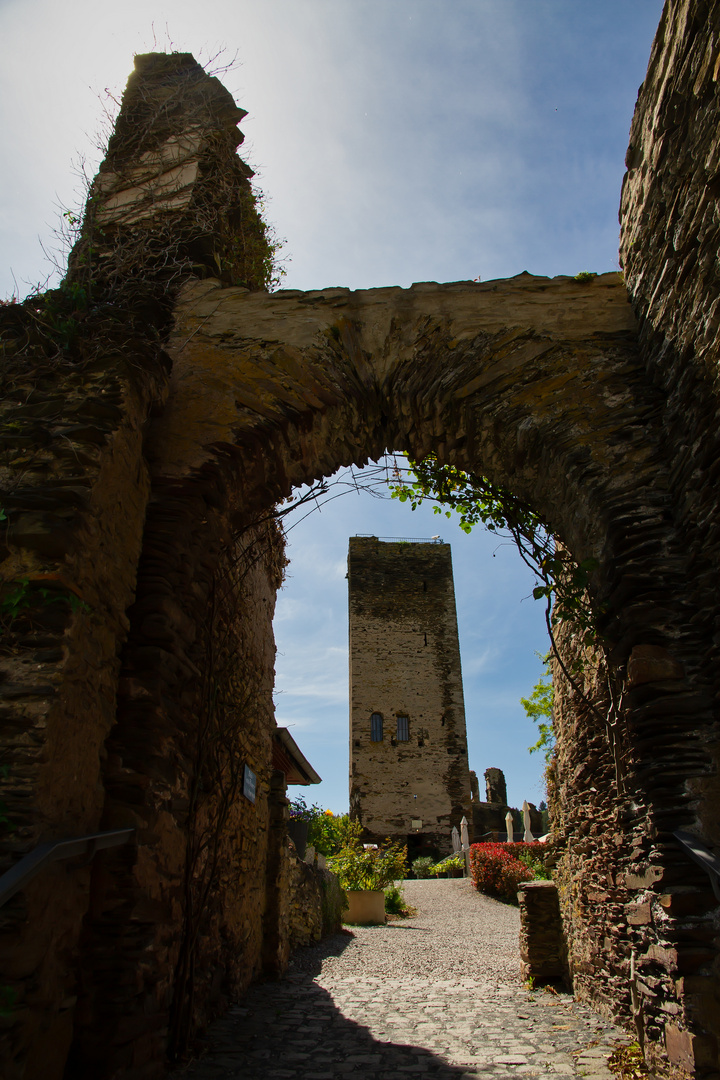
<point x="288" y="758"/>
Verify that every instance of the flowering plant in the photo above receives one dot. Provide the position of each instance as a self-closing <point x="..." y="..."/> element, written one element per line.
<point x="300" y="811"/>
<point x="325" y="829"/>
<point x="451" y="862"/>
<point x="496" y="869"/>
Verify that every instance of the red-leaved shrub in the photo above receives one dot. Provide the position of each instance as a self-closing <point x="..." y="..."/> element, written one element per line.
<point x="496" y="870"/>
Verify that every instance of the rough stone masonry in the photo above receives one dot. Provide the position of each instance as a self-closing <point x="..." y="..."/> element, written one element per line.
<point x="155" y="409"/>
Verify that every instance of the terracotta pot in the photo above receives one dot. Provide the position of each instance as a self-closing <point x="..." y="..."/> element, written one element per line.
<point x="366" y="907"/>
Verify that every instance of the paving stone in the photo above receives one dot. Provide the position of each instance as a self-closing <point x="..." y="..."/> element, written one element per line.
<point x="331" y="1019"/>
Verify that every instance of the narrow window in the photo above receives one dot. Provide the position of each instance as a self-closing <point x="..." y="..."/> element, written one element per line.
<point x="403" y="728"/>
<point x="376" y="727"/>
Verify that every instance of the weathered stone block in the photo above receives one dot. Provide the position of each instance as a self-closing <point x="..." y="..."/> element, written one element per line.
<point x="651" y="663"/>
<point x="689" y="1051"/>
<point x="639" y="914"/>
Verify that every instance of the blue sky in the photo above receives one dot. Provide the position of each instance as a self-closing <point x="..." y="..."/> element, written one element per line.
<point x="397" y="141"/>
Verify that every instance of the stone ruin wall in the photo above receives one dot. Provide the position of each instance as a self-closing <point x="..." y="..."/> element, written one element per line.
<point x="618" y="795"/>
<point x="76" y="489"/>
<point x="122" y="489"/>
<point x="101" y="549"/>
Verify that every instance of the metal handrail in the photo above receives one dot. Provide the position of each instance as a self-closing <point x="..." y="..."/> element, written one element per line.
<point x="703" y="856"/>
<point x="18" y="877"/>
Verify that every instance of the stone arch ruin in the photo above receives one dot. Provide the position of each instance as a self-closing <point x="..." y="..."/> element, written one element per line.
<point x="142" y="457"/>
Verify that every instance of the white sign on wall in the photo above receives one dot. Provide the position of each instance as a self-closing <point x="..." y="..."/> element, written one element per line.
<point x="249" y="783"/>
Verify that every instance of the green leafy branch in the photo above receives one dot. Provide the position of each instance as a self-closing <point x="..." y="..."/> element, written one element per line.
<point x="23" y="595"/>
<point x="539" y="708"/>
<point x="562" y="581"/>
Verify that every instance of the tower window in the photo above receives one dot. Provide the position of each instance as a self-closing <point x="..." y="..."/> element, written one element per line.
<point x="376" y="727"/>
<point x="403" y="728"/>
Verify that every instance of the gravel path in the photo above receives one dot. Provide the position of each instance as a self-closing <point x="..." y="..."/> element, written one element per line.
<point x="436" y="995"/>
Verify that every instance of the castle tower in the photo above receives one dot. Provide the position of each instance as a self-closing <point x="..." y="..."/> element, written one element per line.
<point x="409" y="772"/>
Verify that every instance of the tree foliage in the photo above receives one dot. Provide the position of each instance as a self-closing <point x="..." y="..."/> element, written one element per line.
<point x="539" y="708"/>
<point x="561" y="581"/>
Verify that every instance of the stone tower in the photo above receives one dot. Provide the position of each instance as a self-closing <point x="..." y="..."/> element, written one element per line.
<point x="409" y="772"/>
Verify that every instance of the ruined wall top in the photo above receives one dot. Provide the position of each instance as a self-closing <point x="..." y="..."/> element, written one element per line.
<point x="172" y="200"/>
<point x="670" y="229"/>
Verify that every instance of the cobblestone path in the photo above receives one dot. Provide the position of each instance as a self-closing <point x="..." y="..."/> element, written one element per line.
<point x="438" y="995"/>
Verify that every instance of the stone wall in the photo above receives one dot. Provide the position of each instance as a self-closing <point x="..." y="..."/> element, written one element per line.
<point x="304" y="902"/>
<point x="194" y="708"/>
<point x="75" y="489"/>
<point x="638" y="758"/>
<point x="316" y="904"/>
<point x="93" y="956"/>
<point x="405" y="661"/>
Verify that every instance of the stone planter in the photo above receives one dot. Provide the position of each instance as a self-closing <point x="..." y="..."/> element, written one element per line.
<point x="298" y="833"/>
<point x="366" y="907"/>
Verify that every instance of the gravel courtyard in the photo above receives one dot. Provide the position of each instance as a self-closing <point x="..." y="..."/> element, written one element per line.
<point x="438" y="995"/>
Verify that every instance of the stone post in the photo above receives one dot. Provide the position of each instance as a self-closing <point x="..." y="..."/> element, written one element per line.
<point x="542" y="942"/>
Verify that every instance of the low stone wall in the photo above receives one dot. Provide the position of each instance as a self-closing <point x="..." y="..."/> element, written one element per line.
<point x="316" y="902"/>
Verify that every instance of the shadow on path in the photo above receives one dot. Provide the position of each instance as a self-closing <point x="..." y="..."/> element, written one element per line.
<point x="292" y="1030"/>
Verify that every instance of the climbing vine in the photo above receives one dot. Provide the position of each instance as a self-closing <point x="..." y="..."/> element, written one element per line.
<point x="539" y="708"/>
<point x="561" y="581"/>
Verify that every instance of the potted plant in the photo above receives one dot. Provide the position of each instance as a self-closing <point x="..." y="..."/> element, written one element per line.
<point x="452" y="866"/>
<point x="423" y="867"/>
<point x="298" y="824"/>
<point x="364" y="871"/>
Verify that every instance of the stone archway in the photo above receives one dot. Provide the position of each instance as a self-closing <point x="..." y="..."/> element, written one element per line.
<point x="537" y="383"/>
<point x="208" y="410"/>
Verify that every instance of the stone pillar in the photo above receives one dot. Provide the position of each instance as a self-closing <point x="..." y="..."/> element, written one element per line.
<point x="542" y="943"/>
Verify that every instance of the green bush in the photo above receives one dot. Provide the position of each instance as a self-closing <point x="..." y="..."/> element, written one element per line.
<point x="326" y="831"/>
<point x="535" y="865"/>
<point x="396" y="904"/>
<point x="452" y="862"/>
<point x="359" y="867"/>
<point x="423" y="867"/>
